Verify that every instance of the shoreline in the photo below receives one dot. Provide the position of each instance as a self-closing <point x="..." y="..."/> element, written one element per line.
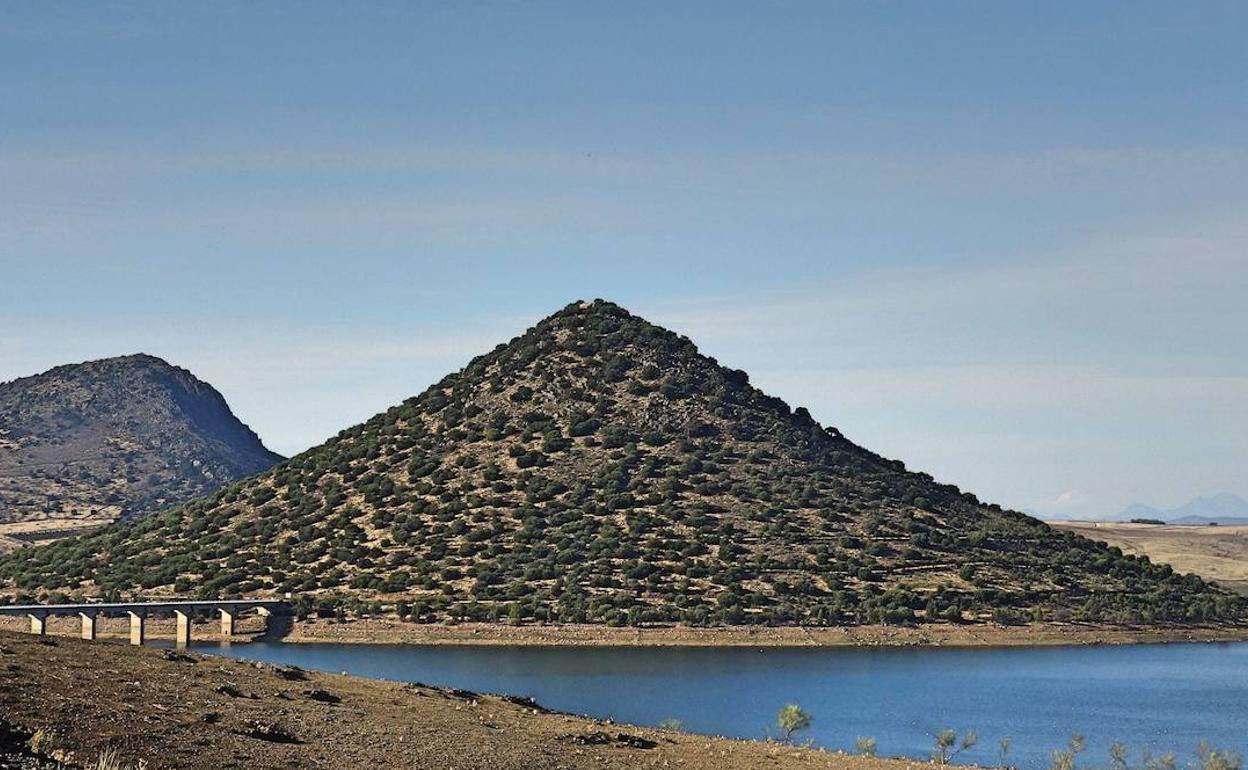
<point x="393" y="632"/>
<point x="375" y="631"/>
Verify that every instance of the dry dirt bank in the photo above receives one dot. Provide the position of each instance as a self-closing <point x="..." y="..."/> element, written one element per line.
<point x="394" y="632"/>
<point x="382" y="631"/>
<point x="193" y="712"/>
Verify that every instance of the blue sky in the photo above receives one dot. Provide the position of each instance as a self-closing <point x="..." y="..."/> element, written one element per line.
<point x="1005" y="242"/>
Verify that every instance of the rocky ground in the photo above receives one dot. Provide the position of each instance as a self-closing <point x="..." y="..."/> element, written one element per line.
<point x="177" y="710"/>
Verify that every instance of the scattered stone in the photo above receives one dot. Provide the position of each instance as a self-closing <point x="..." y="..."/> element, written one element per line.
<point x="230" y="690"/>
<point x="266" y="731"/>
<point x="634" y="741"/>
<point x="527" y="703"/>
<point x="599" y="738"/>
<point x="323" y="696"/>
<point x="292" y="673"/>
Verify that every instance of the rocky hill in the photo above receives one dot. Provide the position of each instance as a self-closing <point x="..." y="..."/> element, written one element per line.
<point x="116" y="437"/>
<point x="599" y="469"/>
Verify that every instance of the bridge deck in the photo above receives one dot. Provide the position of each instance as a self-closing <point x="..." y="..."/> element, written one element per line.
<point x="169" y="606"/>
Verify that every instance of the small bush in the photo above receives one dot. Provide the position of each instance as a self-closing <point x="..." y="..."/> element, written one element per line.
<point x="790" y="719"/>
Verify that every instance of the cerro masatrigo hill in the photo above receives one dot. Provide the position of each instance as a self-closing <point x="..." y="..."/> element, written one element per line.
<point x="599" y="469"/>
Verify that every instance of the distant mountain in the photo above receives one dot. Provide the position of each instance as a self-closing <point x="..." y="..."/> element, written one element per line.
<point x="1224" y="508"/>
<point x="600" y="469"/>
<point x="1140" y="511"/>
<point x="1224" y="504"/>
<point x="117" y="437"/>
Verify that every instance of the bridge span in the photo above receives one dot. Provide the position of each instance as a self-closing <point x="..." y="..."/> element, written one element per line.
<point x="229" y="609"/>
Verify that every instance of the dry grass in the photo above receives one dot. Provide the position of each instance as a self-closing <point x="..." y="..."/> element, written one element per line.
<point x="109" y="759"/>
<point x="1219" y="554"/>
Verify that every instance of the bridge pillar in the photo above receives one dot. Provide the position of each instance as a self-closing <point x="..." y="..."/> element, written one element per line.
<point x="136" y="627"/>
<point x="227" y="622"/>
<point x="38" y="623"/>
<point x="88" y="625"/>
<point x="183" y="637"/>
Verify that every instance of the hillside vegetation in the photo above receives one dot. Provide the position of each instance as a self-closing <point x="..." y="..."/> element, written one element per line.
<point x="599" y="469"/>
<point x="116" y="437"/>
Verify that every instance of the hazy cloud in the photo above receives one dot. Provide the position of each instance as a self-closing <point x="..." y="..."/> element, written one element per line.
<point x="1119" y="363"/>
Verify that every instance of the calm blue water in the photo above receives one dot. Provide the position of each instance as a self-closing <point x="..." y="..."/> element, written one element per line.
<point x="1168" y="697"/>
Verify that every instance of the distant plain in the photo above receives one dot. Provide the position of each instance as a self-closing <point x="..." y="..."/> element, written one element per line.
<point x="1217" y="553"/>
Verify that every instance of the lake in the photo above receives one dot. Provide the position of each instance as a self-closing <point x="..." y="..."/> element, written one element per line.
<point x="1167" y="697"/>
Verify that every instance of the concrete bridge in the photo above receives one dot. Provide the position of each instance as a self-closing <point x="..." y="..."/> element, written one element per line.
<point x="139" y="612"/>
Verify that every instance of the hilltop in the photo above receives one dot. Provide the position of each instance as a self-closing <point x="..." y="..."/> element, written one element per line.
<point x="116" y="437"/>
<point x="600" y="469"/>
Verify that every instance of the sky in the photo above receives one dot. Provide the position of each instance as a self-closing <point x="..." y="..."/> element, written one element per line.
<point x="1005" y="242"/>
